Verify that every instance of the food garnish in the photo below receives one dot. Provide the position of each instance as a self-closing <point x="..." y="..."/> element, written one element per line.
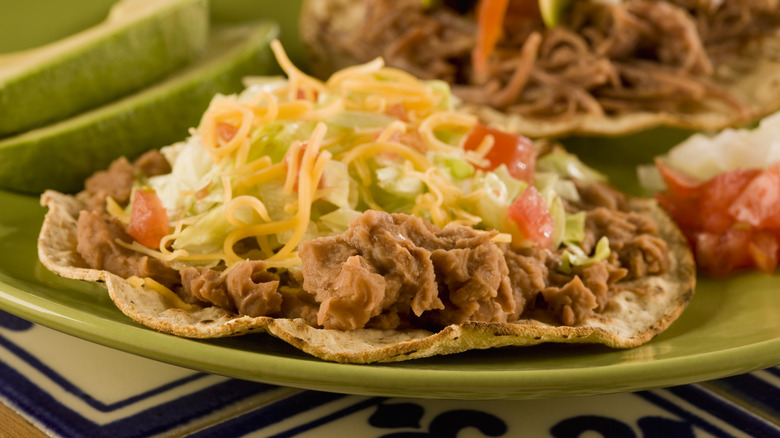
<point x="364" y="218"/>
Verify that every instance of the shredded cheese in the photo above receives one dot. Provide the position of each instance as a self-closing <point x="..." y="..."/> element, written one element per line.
<point x="440" y="120"/>
<point x="113" y="208"/>
<point x="312" y="167"/>
<point x="167" y="294"/>
<point x="249" y="201"/>
<point x="226" y="133"/>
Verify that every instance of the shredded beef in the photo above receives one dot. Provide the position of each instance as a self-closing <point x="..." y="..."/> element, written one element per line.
<point x="247" y="289"/>
<point x="97" y="245"/>
<point x="605" y="57"/>
<point x="400" y="268"/>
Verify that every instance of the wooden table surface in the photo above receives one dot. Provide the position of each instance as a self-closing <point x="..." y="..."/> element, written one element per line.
<point x="12" y="425"/>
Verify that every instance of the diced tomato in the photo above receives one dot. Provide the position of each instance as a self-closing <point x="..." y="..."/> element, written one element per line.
<point x="717" y="194"/>
<point x="732" y="221"/>
<point x="759" y="203"/>
<point x="684" y="211"/>
<point x="679" y="183"/>
<point x="304" y="95"/>
<point x="529" y="212"/>
<point x="148" y="219"/>
<point x="225" y="131"/>
<point x="515" y="151"/>
<point x="398" y="111"/>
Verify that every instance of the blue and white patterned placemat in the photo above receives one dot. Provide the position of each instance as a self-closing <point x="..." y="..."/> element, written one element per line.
<point x="73" y="388"/>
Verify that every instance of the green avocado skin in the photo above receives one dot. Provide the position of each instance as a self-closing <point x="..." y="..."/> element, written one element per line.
<point x="62" y="86"/>
<point x="61" y="156"/>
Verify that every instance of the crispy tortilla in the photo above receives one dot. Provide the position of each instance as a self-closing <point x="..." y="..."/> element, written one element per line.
<point x="751" y="77"/>
<point x="642" y="309"/>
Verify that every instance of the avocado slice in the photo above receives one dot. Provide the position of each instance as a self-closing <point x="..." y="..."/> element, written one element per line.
<point x="140" y="42"/>
<point x="60" y="156"/>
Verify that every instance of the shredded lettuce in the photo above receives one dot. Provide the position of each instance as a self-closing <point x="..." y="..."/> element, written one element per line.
<point x="274" y="139"/>
<point x="552" y="185"/>
<point x="650" y="178"/>
<point x="575" y="227"/>
<point x="392" y="179"/>
<point x="442" y="88"/>
<point x="338" y="187"/>
<point x="359" y="120"/>
<point x="456" y="167"/>
<point x="311" y="233"/>
<point x="338" y="220"/>
<point x="206" y="235"/>
<point x="500" y="189"/>
<point x="558" y="214"/>
<point x="271" y="193"/>
<point x="513" y="185"/>
<point x="574" y="256"/>
<point x="192" y="172"/>
<point x="569" y="227"/>
<point x="568" y="165"/>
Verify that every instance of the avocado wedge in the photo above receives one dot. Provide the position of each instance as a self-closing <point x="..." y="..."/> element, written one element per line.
<point x="140" y="42"/>
<point x="60" y="156"/>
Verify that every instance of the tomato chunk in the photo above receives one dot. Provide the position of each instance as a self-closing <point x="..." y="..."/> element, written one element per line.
<point x="759" y="203"/>
<point x="529" y="212"/>
<point x="732" y="221"/>
<point x="717" y="194"/>
<point x="679" y="183"/>
<point x="148" y="219"/>
<point x="515" y="151"/>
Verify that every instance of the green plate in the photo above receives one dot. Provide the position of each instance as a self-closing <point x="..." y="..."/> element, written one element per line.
<point x="730" y="327"/>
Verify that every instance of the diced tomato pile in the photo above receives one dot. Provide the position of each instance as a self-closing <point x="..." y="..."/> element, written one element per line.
<point x="529" y="211"/>
<point x="732" y="221"/>
<point x="148" y="219"/>
<point x="532" y="217"/>
<point x="516" y="152"/>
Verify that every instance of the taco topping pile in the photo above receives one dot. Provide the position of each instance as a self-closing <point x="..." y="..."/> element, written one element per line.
<point x="366" y="202"/>
<point x="599" y="58"/>
<point x="724" y="193"/>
